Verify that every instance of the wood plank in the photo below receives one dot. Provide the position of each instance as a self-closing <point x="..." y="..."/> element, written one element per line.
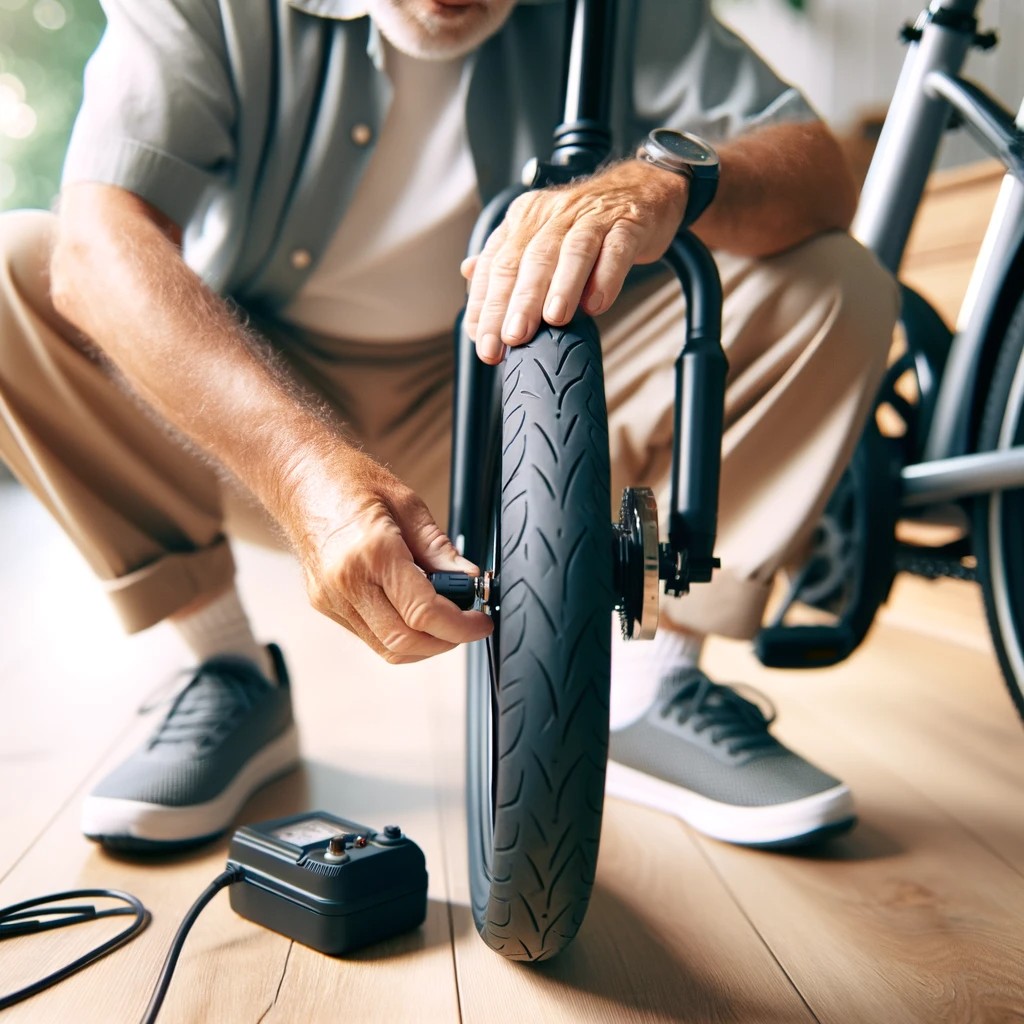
<point x="979" y="174"/>
<point x="911" y="917"/>
<point x="950" y="730"/>
<point x="949" y="610"/>
<point x="663" y="939"/>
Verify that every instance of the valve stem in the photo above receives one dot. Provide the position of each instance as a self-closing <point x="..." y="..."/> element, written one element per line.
<point x="462" y="589"/>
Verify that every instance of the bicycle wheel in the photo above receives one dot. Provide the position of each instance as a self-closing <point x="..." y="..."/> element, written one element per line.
<point x="538" y="689"/>
<point x="998" y="517"/>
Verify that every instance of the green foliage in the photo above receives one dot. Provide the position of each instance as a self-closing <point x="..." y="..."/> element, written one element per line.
<point x="44" y="45"/>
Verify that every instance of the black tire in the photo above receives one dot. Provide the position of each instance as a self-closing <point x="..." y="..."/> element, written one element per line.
<point x="999" y="517"/>
<point x="538" y="740"/>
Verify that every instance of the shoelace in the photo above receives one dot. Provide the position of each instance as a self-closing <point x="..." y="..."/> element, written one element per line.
<point x="738" y="722"/>
<point x="215" y="695"/>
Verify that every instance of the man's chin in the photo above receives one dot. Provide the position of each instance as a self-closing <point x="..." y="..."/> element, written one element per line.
<point x="438" y="29"/>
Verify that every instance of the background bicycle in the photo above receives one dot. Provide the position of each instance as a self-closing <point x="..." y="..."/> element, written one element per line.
<point x="953" y="400"/>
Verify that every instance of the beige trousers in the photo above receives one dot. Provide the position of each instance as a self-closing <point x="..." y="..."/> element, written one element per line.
<point x="806" y="333"/>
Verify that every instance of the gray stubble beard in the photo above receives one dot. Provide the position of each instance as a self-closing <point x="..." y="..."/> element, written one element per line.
<point x="419" y="34"/>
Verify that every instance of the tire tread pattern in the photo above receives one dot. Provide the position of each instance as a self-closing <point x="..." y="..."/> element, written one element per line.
<point x="552" y="700"/>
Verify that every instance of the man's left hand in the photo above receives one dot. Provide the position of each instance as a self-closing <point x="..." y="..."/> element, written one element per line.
<point x="561" y="247"/>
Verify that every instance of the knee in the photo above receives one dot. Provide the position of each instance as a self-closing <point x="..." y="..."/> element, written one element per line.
<point x="861" y="297"/>
<point x="26" y="242"/>
<point x="25" y="246"/>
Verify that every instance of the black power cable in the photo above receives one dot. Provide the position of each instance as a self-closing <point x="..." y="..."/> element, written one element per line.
<point x="24" y="919"/>
<point x="222" y="881"/>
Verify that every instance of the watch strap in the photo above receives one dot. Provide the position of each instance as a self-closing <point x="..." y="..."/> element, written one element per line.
<point x="702" y="190"/>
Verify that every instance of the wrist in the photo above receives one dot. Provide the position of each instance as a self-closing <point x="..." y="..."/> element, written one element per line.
<point x="671" y="190"/>
<point x="303" y="465"/>
<point x="327" y="485"/>
<point x="688" y="157"/>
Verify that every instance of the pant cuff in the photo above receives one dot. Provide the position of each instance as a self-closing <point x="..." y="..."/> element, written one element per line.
<point x="149" y="595"/>
<point x="728" y="606"/>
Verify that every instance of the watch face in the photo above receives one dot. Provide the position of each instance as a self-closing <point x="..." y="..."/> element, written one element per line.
<point x="686" y="148"/>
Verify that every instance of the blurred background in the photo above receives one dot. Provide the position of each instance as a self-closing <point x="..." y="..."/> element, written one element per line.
<point x="842" y="53"/>
<point x="43" y="47"/>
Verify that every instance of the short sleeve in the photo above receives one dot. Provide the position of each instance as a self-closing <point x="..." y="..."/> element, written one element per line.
<point x="158" y="109"/>
<point x="694" y="74"/>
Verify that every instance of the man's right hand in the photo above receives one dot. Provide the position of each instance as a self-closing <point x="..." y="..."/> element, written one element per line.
<point x="364" y="540"/>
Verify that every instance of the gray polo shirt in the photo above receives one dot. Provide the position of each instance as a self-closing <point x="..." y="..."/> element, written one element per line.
<point x="250" y="123"/>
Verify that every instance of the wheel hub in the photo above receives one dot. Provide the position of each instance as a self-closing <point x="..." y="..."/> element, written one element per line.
<point x="635" y="540"/>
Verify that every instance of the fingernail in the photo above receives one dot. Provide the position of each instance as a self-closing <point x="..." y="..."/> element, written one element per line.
<point x="515" y="327"/>
<point x="594" y="302"/>
<point x="489" y="346"/>
<point x="554" y="311"/>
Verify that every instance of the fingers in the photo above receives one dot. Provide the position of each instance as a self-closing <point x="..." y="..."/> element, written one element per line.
<point x="558" y="248"/>
<point x="354" y="623"/>
<point x="584" y="255"/>
<point x="404" y="620"/>
<point x="408" y="589"/>
<point x="551" y="276"/>
<point x="424" y="612"/>
<point x="430" y="546"/>
<point x="617" y="255"/>
<point x="486" y="335"/>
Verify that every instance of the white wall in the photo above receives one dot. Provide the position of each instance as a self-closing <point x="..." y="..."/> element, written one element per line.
<point x="845" y="56"/>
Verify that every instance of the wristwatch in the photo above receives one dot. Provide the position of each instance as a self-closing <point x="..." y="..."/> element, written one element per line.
<point x="690" y="156"/>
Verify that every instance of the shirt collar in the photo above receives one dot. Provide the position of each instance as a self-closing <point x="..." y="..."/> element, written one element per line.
<point x="346" y="10"/>
<point x="341" y="10"/>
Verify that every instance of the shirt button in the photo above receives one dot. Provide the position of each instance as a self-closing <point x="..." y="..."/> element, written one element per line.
<point x="301" y="258"/>
<point x="361" y="134"/>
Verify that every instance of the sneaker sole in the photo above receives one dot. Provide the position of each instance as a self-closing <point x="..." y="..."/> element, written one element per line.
<point x="138" y="825"/>
<point x="778" y="825"/>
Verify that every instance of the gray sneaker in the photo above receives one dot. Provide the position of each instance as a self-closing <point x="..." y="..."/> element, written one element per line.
<point x="228" y="732"/>
<point x="704" y="754"/>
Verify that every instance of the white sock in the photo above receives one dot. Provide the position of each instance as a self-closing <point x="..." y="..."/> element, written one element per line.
<point x="639" y="666"/>
<point x="222" y="627"/>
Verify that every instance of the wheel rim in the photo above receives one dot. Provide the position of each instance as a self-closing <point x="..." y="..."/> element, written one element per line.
<point x="484" y="678"/>
<point x="493" y="673"/>
<point x="1005" y="544"/>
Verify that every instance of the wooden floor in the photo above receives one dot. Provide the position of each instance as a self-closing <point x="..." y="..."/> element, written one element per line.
<point x="915" y="916"/>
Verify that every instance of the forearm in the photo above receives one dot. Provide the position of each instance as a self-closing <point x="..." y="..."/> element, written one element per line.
<point x="180" y="347"/>
<point x="778" y="186"/>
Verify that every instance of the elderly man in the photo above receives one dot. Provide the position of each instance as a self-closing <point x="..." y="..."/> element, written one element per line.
<point x="254" y="269"/>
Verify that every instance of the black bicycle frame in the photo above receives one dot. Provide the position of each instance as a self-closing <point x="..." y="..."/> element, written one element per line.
<point x="581" y="142"/>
